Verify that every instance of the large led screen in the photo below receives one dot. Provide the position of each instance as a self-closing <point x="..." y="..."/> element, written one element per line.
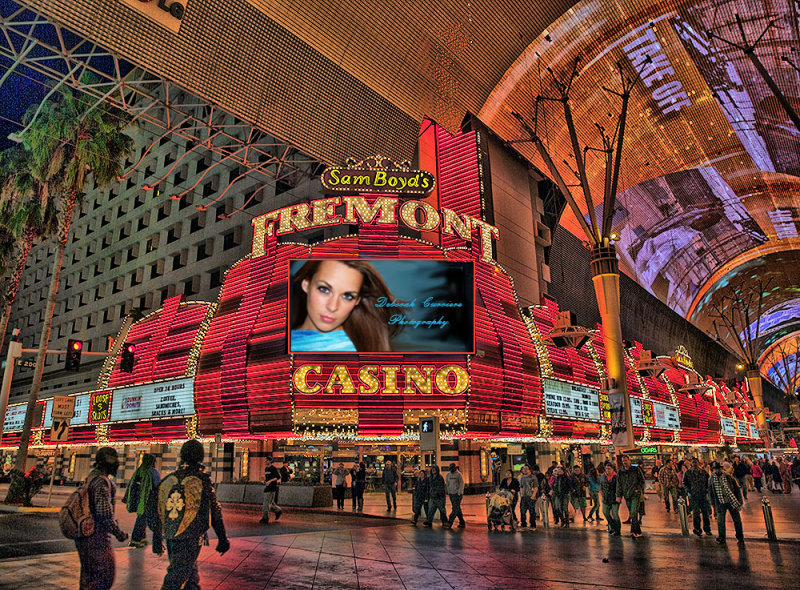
<point x="381" y="306"/>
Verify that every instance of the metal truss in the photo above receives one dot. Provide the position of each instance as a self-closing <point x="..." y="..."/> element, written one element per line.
<point x="32" y="45"/>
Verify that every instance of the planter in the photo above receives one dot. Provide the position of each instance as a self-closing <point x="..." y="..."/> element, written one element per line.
<point x="307" y="496"/>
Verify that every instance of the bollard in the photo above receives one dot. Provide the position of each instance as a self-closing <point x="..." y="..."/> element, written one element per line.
<point x="545" y="513"/>
<point x="769" y="521"/>
<point x="683" y="516"/>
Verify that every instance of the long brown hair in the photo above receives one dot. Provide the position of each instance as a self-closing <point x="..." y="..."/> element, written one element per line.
<point x="367" y="326"/>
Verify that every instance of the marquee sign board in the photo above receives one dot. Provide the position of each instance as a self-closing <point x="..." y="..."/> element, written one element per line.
<point x="378" y="175"/>
<point x="569" y="400"/>
<point x="153" y="401"/>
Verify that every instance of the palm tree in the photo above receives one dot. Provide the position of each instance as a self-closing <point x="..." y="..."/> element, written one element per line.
<point x="27" y="214"/>
<point x="79" y="138"/>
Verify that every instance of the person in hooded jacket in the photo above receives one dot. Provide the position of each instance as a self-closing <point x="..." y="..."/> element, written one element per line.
<point x="422" y="491"/>
<point x="436" y="498"/>
<point x="455" y="491"/>
<point x="141" y="497"/>
<point x="187" y="503"/>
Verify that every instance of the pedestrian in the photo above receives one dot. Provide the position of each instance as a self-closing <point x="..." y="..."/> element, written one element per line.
<point x="420" y="495"/>
<point x="593" y="480"/>
<point x="683" y="467"/>
<point x="141" y="498"/>
<point x="766" y="469"/>
<point x="358" y="480"/>
<point x="540" y="496"/>
<point x="749" y="475"/>
<point x="696" y="483"/>
<point x="579" y="484"/>
<point x="511" y="484"/>
<point x="785" y="472"/>
<point x="339" y="481"/>
<point x="528" y="486"/>
<point x="436" y="497"/>
<point x="390" y="481"/>
<point x="610" y="495"/>
<point x="455" y="491"/>
<point x="777" y="481"/>
<point x="271" y="478"/>
<point x="654" y="472"/>
<point x="795" y="471"/>
<point x="630" y="485"/>
<point x="94" y="552"/>
<point x="187" y="503"/>
<point x="740" y="471"/>
<point x="726" y="497"/>
<point x="560" y="489"/>
<point x="669" y="484"/>
<point x="757" y="474"/>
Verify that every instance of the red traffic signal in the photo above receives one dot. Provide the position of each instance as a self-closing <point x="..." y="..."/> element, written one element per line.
<point x="127" y="360"/>
<point x="73" y="360"/>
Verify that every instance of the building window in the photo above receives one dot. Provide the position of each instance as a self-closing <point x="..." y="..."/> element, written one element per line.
<point x="231" y="239"/>
<point x="215" y="279"/>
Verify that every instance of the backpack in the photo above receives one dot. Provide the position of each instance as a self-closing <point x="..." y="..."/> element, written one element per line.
<point x="180" y="497"/>
<point x="75" y="518"/>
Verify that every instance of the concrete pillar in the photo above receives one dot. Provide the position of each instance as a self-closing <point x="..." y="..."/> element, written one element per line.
<point x="605" y="276"/>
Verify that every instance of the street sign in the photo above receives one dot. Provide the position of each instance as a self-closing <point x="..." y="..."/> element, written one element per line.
<point x="63" y="406"/>
<point x="60" y="430"/>
<point x="29" y="364"/>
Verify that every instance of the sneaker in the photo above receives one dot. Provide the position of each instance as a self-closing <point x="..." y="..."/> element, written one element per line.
<point x="263" y="520"/>
<point x="721" y="540"/>
<point x="636" y="535"/>
<point x="278" y="516"/>
<point x="698" y="533"/>
<point x="427" y="524"/>
<point x="462" y="525"/>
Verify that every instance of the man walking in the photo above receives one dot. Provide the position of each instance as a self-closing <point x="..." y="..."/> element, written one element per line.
<point x="529" y="486"/>
<point x="438" y="489"/>
<point x="669" y="484"/>
<point x="726" y="497"/>
<point x="94" y="552"/>
<point x="630" y="485"/>
<point x="696" y="483"/>
<point x="455" y="490"/>
<point x="271" y="478"/>
<point x="419" y="499"/>
<point x="187" y="503"/>
<point x="740" y="471"/>
<point x="390" y="481"/>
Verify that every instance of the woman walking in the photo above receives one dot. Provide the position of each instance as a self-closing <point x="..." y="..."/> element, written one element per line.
<point x="594" y="495"/>
<point x="610" y="495"/>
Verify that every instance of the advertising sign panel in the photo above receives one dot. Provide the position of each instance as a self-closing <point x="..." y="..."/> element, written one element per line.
<point x="568" y="400"/>
<point x="80" y="411"/>
<point x="728" y="427"/>
<point x="153" y="401"/>
<point x="15" y="418"/>
<point x="379" y="306"/>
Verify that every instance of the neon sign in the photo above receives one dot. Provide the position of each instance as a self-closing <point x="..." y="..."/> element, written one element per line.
<point x="381" y="379"/>
<point x="417" y="215"/>
<point x="378" y="175"/>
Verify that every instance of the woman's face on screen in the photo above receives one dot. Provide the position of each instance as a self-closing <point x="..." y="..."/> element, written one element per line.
<point x="332" y="293"/>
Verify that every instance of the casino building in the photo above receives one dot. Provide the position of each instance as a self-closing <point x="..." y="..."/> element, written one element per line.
<point x="224" y="371"/>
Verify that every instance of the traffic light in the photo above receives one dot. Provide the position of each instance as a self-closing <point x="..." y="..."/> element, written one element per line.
<point x="126" y="365"/>
<point x="73" y="360"/>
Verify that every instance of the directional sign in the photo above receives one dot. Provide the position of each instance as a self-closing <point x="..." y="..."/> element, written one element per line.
<point x="63" y="406"/>
<point x="60" y="430"/>
<point x="26" y="363"/>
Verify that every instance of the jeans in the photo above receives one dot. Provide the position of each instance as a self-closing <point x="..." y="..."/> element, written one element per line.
<point x="338" y="493"/>
<point x="757" y="482"/>
<point x="270" y="505"/>
<point x="700" y="506"/>
<point x="595" y="511"/>
<point x="435" y="504"/>
<point x="358" y="495"/>
<point x="97" y="561"/>
<point x="455" y="509"/>
<point x="743" y="485"/>
<point x="634" y="502"/>
<point x="561" y="509"/>
<point x="527" y="506"/>
<point x="182" y="570"/>
<point x="671" y="491"/>
<point x="737" y="520"/>
<point x="391" y="495"/>
<point x="611" y="512"/>
<point x="148" y="519"/>
<point x="417" y="506"/>
<point x="540" y="506"/>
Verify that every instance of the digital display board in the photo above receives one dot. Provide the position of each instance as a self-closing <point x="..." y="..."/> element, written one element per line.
<point x="153" y="401"/>
<point x="568" y="400"/>
<point x="741" y="429"/>
<point x="665" y="416"/>
<point x="753" y="430"/>
<point x="15" y="418"/>
<point x="379" y="306"/>
<point x="80" y="415"/>
<point x="728" y="427"/>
